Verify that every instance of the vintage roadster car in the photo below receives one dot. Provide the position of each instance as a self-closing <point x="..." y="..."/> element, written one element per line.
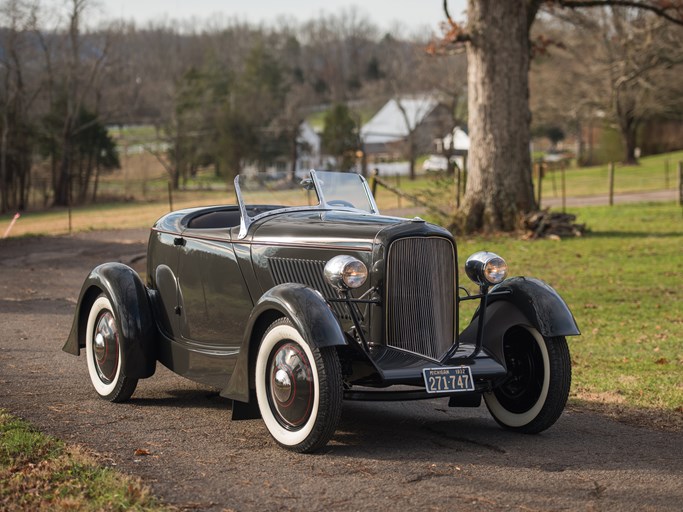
<point x="302" y="295"/>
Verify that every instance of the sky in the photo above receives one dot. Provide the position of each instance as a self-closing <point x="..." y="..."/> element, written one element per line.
<point x="411" y="13"/>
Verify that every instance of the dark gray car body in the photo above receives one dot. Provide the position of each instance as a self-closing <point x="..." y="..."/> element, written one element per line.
<point x="213" y="287"/>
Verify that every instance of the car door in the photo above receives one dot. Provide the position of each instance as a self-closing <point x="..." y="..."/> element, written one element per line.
<point x="213" y="299"/>
<point x="213" y="307"/>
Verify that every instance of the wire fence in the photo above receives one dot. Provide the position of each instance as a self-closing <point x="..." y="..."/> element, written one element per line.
<point x="148" y="189"/>
<point x="554" y="185"/>
<point x="604" y="184"/>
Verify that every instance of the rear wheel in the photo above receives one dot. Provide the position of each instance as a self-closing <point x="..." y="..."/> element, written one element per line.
<point x="103" y="352"/>
<point x="535" y="392"/>
<point x="298" y="387"/>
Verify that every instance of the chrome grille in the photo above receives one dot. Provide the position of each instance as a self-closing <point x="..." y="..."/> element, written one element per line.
<point x="420" y="295"/>
<point x="308" y="272"/>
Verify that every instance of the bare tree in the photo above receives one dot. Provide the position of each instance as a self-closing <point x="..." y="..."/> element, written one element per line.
<point x="415" y="97"/>
<point x="72" y="84"/>
<point x="636" y="55"/>
<point x="448" y="77"/>
<point x="496" y="37"/>
<point x="623" y="67"/>
<point x="16" y="98"/>
<point x="335" y="49"/>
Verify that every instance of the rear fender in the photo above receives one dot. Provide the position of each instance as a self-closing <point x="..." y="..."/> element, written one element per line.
<point x="128" y="296"/>
<point x="306" y="309"/>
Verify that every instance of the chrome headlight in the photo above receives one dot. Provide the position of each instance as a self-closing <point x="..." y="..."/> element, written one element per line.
<point x="346" y="272"/>
<point x="486" y="268"/>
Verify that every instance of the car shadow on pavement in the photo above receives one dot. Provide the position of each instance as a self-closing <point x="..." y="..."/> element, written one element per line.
<point x="427" y="431"/>
<point x="184" y="398"/>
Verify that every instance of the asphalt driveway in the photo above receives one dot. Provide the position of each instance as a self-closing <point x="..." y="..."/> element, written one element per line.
<point x="406" y="456"/>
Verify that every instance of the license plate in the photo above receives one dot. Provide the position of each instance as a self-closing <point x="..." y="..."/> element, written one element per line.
<point x="448" y="380"/>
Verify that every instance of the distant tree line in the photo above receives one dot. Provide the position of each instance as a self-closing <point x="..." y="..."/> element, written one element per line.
<point x="51" y="109"/>
<point x="222" y="93"/>
<point x="611" y="67"/>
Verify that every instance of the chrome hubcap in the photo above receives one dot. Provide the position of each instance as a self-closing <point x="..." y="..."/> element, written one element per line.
<point x="99" y="346"/>
<point x="106" y="347"/>
<point x="282" y="386"/>
<point x="290" y="385"/>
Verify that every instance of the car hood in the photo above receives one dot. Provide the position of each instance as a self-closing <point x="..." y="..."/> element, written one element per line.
<point x="334" y="228"/>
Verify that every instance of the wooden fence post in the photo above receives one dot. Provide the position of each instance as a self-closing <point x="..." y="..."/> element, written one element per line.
<point x="465" y="173"/>
<point x="611" y="183"/>
<point x="69" y="200"/>
<point x="564" y="189"/>
<point x="539" y="168"/>
<point x="373" y="182"/>
<point x="666" y="173"/>
<point x="457" y="187"/>
<point x="170" y="195"/>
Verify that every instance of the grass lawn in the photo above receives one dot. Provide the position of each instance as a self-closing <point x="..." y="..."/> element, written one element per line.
<point x="38" y="472"/>
<point x="134" y="133"/>
<point x="622" y="281"/>
<point x="653" y="173"/>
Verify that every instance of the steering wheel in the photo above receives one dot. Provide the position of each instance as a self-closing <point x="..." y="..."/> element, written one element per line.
<point x="340" y="202"/>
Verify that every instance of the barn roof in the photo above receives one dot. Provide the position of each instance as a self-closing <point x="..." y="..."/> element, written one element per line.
<point x="389" y="124"/>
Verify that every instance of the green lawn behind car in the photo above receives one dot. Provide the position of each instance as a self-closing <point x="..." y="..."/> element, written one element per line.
<point x="622" y="281"/>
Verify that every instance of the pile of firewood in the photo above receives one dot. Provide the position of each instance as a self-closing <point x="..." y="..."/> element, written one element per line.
<point x="552" y="225"/>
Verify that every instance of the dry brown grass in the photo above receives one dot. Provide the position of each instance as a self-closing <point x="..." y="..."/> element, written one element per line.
<point x="106" y="216"/>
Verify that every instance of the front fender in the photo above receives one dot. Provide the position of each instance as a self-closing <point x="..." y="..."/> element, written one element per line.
<point x="306" y="309"/>
<point x="539" y="303"/>
<point x="128" y="296"/>
<point x="530" y="302"/>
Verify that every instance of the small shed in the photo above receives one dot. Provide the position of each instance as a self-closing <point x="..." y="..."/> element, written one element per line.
<point x="456" y="142"/>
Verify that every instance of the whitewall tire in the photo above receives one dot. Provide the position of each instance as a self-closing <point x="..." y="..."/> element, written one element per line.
<point x="535" y="392"/>
<point x="104" y="353"/>
<point x="298" y="388"/>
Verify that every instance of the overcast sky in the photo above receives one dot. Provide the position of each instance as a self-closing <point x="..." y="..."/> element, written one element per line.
<point x="410" y="13"/>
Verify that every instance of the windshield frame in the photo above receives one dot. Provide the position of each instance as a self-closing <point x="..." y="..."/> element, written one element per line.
<point x="246" y="220"/>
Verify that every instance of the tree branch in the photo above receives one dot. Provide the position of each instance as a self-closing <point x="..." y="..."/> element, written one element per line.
<point x="664" y="10"/>
<point x="448" y="14"/>
<point x="454" y="33"/>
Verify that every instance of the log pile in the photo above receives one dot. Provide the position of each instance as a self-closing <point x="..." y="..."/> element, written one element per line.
<point x="551" y="225"/>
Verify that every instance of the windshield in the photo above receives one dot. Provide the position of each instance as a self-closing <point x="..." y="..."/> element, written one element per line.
<point x="264" y="193"/>
<point x="346" y="190"/>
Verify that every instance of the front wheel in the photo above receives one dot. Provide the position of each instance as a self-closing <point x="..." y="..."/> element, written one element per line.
<point x="104" y="354"/>
<point x="298" y="388"/>
<point x="535" y="392"/>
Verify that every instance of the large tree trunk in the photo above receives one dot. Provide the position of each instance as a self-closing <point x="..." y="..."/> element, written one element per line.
<point x="630" y="145"/>
<point x="499" y="186"/>
<point x="628" y="126"/>
<point x="4" y="178"/>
